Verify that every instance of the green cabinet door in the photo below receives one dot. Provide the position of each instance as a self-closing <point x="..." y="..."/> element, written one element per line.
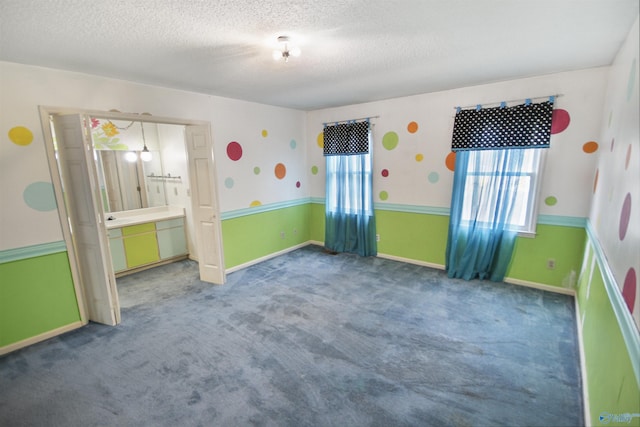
<point x="140" y="244"/>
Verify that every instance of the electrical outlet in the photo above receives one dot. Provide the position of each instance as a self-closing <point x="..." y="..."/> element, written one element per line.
<point x="377" y="237"/>
<point x="551" y="264"/>
<point x="282" y="234"/>
<point x="295" y="231"/>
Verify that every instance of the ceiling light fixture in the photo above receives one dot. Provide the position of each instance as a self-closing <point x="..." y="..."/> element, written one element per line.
<point x="145" y="155"/>
<point x="285" y="50"/>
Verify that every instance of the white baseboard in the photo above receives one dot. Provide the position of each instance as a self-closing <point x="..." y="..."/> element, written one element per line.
<point x="542" y="286"/>
<point x="583" y="366"/>
<point x="411" y="261"/>
<point x="264" y="258"/>
<point x="36" y="339"/>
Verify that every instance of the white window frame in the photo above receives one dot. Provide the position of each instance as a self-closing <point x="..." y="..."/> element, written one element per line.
<point x="528" y="229"/>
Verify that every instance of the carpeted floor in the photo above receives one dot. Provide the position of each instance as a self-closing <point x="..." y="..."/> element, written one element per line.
<point x="307" y="339"/>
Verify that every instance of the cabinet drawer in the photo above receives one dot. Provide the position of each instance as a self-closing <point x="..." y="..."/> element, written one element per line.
<point x="170" y="223"/>
<point x="114" y="232"/>
<point x="141" y="249"/>
<point x="137" y="229"/>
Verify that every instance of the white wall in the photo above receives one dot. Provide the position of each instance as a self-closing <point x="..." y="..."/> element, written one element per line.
<point x="28" y="216"/>
<point x="426" y="181"/>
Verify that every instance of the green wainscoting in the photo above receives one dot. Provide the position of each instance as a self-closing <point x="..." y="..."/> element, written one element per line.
<point x="36" y="297"/>
<point x="612" y="383"/>
<point x="422" y="237"/>
<point x="253" y="236"/>
<point x="563" y="244"/>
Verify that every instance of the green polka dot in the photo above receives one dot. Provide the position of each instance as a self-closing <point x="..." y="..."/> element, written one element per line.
<point x="40" y="196"/>
<point x="434" y="177"/>
<point x="550" y="201"/>
<point x="390" y="140"/>
<point x="229" y="183"/>
<point x="256" y="170"/>
<point x="384" y="195"/>
<point x="20" y="135"/>
<point x="314" y="170"/>
<point x="293" y="144"/>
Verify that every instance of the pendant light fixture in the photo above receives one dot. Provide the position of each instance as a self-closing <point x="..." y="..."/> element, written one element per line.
<point x="145" y="155"/>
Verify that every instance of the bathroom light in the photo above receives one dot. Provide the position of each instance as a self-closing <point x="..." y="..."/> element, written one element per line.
<point x="130" y="156"/>
<point x="145" y="155"/>
<point x="285" y="52"/>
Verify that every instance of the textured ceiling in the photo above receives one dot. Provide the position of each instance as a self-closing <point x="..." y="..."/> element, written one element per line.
<point x="352" y="51"/>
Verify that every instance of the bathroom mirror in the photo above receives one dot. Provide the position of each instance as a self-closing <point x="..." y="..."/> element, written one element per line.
<point x="127" y="182"/>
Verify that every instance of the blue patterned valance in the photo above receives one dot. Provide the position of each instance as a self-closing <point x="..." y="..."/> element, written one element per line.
<point x="344" y="139"/>
<point x="521" y="126"/>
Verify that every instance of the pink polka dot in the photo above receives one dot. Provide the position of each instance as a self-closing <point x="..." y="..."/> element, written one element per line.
<point x="628" y="159"/>
<point x="613" y="140"/>
<point x="629" y="289"/>
<point x="385" y="172"/>
<point x="625" y="215"/>
<point x="234" y="151"/>
<point x="559" y="120"/>
<point x="298" y="184"/>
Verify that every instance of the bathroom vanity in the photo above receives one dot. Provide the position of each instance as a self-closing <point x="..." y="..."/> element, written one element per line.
<point x="144" y="238"/>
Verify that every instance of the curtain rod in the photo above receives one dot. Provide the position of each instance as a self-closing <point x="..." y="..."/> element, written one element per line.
<point x="351" y="120"/>
<point x="508" y="101"/>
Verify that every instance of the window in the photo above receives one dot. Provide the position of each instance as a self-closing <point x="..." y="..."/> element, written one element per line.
<point x="347" y="178"/>
<point x="483" y="182"/>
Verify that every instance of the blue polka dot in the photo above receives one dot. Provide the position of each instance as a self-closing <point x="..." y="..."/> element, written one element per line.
<point x="40" y="196"/>
<point x="228" y="182"/>
<point x="434" y="177"/>
<point x="293" y="144"/>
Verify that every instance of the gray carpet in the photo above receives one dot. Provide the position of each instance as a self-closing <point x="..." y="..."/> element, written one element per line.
<point x="307" y="339"/>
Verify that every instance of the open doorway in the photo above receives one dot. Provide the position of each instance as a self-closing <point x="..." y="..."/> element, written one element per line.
<point x="81" y="199"/>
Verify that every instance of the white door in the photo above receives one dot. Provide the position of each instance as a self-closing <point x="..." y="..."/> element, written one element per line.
<point x="204" y="204"/>
<point x="84" y="205"/>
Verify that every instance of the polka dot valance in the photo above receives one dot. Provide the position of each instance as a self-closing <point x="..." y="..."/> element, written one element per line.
<point x="521" y="126"/>
<point x="346" y="139"/>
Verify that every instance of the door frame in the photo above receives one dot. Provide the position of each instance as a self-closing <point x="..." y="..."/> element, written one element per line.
<point x="45" y="113"/>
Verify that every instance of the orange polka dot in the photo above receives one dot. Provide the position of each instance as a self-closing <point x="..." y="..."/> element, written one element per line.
<point x="280" y="171"/>
<point x="450" y="161"/>
<point x="590" y="147"/>
<point x="412" y="127"/>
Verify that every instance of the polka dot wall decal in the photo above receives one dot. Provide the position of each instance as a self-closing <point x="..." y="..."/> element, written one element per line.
<point x="412" y="127"/>
<point x="229" y="182"/>
<point x="255" y="203"/>
<point x="298" y="184"/>
<point x="560" y="120"/>
<point x="628" y="158"/>
<point x="320" y="140"/>
<point x="256" y="170"/>
<point x="20" y="135"/>
<point x="450" y="161"/>
<point x="629" y="288"/>
<point x="314" y="170"/>
<point x="280" y="171"/>
<point x="550" y="201"/>
<point x="419" y="157"/>
<point x="40" y="196"/>
<point x="434" y="177"/>
<point x="234" y="151"/>
<point x="293" y="144"/>
<point x="384" y="195"/>
<point x="625" y="215"/>
<point x="595" y="180"/>
<point x="265" y="133"/>
<point x="590" y="147"/>
<point x="612" y="143"/>
<point x="390" y="140"/>
<point x="385" y="173"/>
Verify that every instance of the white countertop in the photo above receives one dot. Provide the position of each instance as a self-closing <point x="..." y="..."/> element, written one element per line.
<point x="140" y="216"/>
